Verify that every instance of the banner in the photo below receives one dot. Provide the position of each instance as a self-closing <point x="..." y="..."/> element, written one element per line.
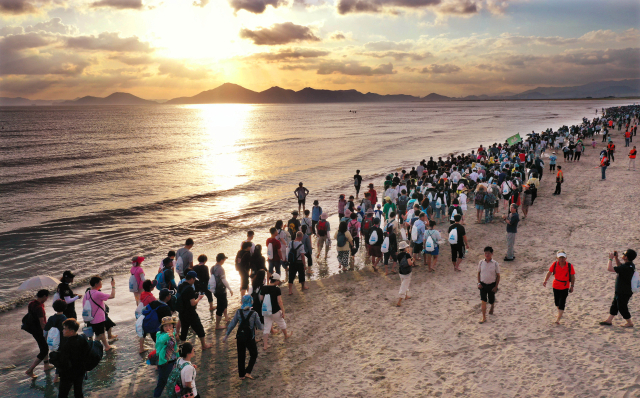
<point x="514" y="139"/>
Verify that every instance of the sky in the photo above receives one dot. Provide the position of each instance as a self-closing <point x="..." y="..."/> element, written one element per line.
<point x="163" y="49"/>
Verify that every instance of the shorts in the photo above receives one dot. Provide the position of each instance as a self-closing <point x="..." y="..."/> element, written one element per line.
<point x="479" y="207"/>
<point x="274" y="318"/>
<point x="457" y="251"/>
<point x="223" y="303"/>
<point x="375" y="251"/>
<point x="98" y="328"/>
<point x="274" y="265"/>
<point x="486" y="293"/>
<point x="392" y="255"/>
<point x="435" y="252"/>
<point x="302" y="201"/>
<point x="297" y="268"/>
<point x="417" y="247"/>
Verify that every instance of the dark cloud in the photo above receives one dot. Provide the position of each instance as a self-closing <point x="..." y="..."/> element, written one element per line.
<point x="255" y="6"/>
<point x="176" y="68"/>
<point x="337" y="36"/>
<point x="458" y="8"/>
<point x="109" y="41"/>
<point x="388" y="45"/>
<point x="15" y="43"/>
<point x="398" y="55"/>
<point x="492" y="68"/>
<point x="22" y="86"/>
<point x="441" y="69"/>
<point x="17" y="7"/>
<point x="201" y="3"/>
<point x="43" y="64"/>
<point x="353" y="69"/>
<point x="134" y="60"/>
<point x="119" y="4"/>
<point x="626" y="58"/>
<point x="286" y="55"/>
<point x="280" y="33"/>
<point x="55" y="25"/>
<point x="375" y="6"/>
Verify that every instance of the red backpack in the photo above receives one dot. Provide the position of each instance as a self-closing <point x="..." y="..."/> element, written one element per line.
<point x="367" y="223"/>
<point x="322" y="228"/>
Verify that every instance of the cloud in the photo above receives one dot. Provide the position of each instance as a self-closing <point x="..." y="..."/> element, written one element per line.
<point x="389" y="45"/>
<point x="15" y="43"/>
<point x="492" y="68"/>
<point x="255" y="6"/>
<point x="201" y="4"/>
<point x="337" y="36"/>
<point x="176" y="68"/>
<point x="109" y="41"/>
<point x="289" y="54"/>
<point x="11" y="30"/>
<point x="441" y="69"/>
<point x="280" y="33"/>
<point x="353" y="69"/>
<point x="119" y="4"/>
<point x="55" y="25"/>
<point x="43" y="64"/>
<point x="441" y="7"/>
<point x="625" y="58"/>
<point x="601" y="36"/>
<point x="17" y="7"/>
<point x="398" y="55"/>
<point x="134" y="60"/>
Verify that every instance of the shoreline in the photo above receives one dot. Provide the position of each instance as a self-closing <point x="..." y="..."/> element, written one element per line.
<point x="415" y="350"/>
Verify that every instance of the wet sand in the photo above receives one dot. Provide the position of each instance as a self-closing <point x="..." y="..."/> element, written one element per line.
<point x="351" y="341"/>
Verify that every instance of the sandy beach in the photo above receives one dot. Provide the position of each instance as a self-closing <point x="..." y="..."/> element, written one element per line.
<point x="351" y="341"/>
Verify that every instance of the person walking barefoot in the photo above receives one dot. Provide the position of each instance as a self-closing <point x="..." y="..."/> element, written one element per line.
<point x="273" y="309"/>
<point x="488" y="280"/>
<point x="563" y="281"/>
<point x="624" y="290"/>
<point x="405" y="261"/>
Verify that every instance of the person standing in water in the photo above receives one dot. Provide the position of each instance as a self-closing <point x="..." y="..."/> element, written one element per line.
<point x="357" y="182"/>
<point x="301" y="193"/>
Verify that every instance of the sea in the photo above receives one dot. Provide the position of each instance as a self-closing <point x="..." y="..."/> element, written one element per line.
<point x="87" y="188"/>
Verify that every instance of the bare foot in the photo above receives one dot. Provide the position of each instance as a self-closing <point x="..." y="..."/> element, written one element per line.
<point x="248" y="376"/>
<point x="627" y="325"/>
<point x="206" y="347"/>
<point x="305" y="288"/>
<point x="290" y="293"/>
<point x="110" y="348"/>
<point x="407" y="297"/>
<point x="483" y="320"/>
<point x="387" y="273"/>
<point x="287" y="335"/>
<point x="113" y="338"/>
<point x="267" y="347"/>
<point x="220" y="327"/>
<point x="48" y="367"/>
<point x="491" y="311"/>
<point x="31" y="374"/>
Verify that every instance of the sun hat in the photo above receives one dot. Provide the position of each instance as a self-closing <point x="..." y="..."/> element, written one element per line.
<point x="561" y="253"/>
<point x="402" y="245"/>
<point x="247" y="301"/>
<point x="169" y="320"/>
<point x="387" y="198"/>
<point x="347" y="212"/>
<point x="324" y="216"/>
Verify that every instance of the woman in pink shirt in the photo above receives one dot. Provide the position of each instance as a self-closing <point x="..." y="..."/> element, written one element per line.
<point x="97" y="299"/>
<point x="136" y="269"/>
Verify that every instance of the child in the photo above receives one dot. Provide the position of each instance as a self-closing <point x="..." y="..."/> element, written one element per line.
<point x="593" y="143"/>
<point x="306" y="220"/>
<point x="405" y="262"/>
<point x="341" y="206"/>
<point x="378" y="212"/>
<point x="55" y="321"/>
<point x="166" y="348"/>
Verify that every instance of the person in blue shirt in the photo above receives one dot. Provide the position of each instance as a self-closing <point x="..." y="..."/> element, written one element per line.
<point x="418" y="244"/>
<point x="552" y="161"/>
<point x="316" y="211"/>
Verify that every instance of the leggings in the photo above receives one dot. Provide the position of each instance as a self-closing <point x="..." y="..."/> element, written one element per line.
<point x="392" y="254"/>
<point x="621" y="304"/>
<point x="560" y="297"/>
<point x="163" y="375"/>
<point x="242" y="355"/>
<point x="75" y="381"/>
<point x="356" y="245"/>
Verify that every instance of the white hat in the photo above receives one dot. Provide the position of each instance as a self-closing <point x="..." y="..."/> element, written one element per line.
<point x="402" y="245"/>
<point x="561" y="253"/>
<point x="276" y="277"/>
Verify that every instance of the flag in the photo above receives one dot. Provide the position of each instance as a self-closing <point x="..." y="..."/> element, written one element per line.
<point x="514" y="139"/>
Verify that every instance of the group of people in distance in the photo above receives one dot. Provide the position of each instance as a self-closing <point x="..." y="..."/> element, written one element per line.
<point x="394" y="230"/>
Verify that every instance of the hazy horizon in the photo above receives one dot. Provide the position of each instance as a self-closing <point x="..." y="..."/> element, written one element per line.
<point x="64" y="49"/>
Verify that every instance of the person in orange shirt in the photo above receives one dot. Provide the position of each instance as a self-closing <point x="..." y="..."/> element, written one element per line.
<point x="627" y="137"/>
<point x="611" y="148"/>
<point x="559" y="181"/>
<point x="564" y="277"/>
<point x="632" y="158"/>
<point x="604" y="163"/>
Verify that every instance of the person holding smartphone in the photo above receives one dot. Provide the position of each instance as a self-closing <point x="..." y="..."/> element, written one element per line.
<point x="189" y="316"/>
<point x="623" y="291"/>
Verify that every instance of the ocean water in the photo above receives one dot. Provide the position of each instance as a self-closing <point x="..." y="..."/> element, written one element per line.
<point x="87" y="188"/>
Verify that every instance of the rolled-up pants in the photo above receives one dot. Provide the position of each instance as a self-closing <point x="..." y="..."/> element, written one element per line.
<point x="511" y="242"/>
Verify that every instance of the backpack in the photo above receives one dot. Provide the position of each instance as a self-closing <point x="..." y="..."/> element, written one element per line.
<point x="635" y="282"/>
<point x="385" y="244"/>
<point x="293" y="253"/>
<point x="430" y="243"/>
<point x="414" y="233"/>
<point x="244" y="332"/>
<point x="161" y="284"/>
<point x="505" y="189"/>
<point x="270" y="251"/>
<point x="490" y="200"/>
<point x="151" y="323"/>
<point x="438" y="203"/>
<point x="402" y="203"/>
<point x="453" y="236"/>
<point x="174" y="382"/>
<point x="454" y="213"/>
<point x="96" y="351"/>
<point x="353" y="229"/>
<point x="29" y="323"/>
<point x="367" y="223"/>
<point x="373" y="238"/>
<point x="140" y="326"/>
<point x="53" y="339"/>
<point x="87" y="310"/>
<point x="404" y="268"/>
<point x="342" y="239"/>
<point x="554" y="272"/>
<point x="322" y="228"/>
<point x="133" y="284"/>
<point x="479" y="198"/>
<point x="179" y="304"/>
<point x="180" y="265"/>
<point x="267" y="310"/>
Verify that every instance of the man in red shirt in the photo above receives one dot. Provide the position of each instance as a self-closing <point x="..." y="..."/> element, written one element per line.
<point x="632" y="158"/>
<point x="627" y="137"/>
<point x="273" y="252"/>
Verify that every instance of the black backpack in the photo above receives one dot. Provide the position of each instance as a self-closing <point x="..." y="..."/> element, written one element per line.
<point x="244" y="333"/>
<point x="402" y="203"/>
<point x="404" y="268"/>
<point x="293" y="253"/>
<point x="96" y="351"/>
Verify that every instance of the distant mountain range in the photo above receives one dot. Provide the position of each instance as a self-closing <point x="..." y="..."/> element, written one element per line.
<point x="235" y="94"/>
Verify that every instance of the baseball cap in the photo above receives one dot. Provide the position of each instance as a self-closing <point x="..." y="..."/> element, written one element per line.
<point x="631" y="254"/>
<point x="164" y="293"/>
<point x="191" y="274"/>
<point x="137" y="259"/>
<point x="221" y="256"/>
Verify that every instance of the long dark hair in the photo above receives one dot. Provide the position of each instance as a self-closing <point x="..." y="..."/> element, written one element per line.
<point x="342" y="227"/>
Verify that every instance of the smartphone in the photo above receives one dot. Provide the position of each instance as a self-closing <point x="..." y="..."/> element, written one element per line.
<point x="615" y="254"/>
<point x="112" y="280"/>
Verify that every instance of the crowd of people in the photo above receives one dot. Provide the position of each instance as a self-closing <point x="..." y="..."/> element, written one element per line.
<point x="396" y="229"/>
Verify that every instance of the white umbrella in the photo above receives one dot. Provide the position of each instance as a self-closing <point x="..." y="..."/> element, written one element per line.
<point x="39" y="282"/>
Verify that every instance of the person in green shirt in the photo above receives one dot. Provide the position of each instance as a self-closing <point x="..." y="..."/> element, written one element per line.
<point x="388" y="208"/>
<point x="166" y="348"/>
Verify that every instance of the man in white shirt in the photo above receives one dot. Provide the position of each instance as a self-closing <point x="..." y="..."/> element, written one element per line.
<point x="420" y="170"/>
<point x="488" y="280"/>
<point x="455" y="175"/>
<point x="391" y="193"/>
<point x="474" y="175"/>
